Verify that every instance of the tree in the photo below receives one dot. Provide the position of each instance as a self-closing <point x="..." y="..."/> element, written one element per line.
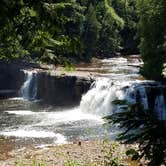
<point x="143" y="127"/>
<point x="54" y="32"/>
<point x="127" y="9"/>
<point x="111" y="24"/>
<point x="153" y="36"/>
<point x="40" y="29"/>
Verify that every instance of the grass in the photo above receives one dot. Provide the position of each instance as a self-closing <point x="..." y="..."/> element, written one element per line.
<point x="34" y="163"/>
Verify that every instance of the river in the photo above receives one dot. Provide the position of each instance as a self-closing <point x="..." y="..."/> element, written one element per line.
<point x="26" y="122"/>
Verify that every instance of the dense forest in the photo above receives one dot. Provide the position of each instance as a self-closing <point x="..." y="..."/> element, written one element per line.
<point x="76" y="30"/>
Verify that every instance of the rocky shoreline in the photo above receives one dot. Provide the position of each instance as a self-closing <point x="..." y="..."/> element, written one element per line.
<point x="83" y="153"/>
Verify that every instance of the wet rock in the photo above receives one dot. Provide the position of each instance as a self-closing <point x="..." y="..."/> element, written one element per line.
<point x="59" y="90"/>
<point x="11" y="79"/>
<point x="153" y="92"/>
<point x="62" y="90"/>
<point x="8" y="93"/>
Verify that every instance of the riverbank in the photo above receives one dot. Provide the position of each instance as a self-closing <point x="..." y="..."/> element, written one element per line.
<point x="77" y="153"/>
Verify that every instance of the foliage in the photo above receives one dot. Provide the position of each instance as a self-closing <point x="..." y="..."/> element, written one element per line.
<point x="144" y="127"/>
<point x="164" y="70"/>
<point x="153" y="36"/>
<point x="54" y="32"/>
<point x="109" y="34"/>
<point x="34" y="163"/>
<point x="72" y="163"/>
<point x="133" y="154"/>
<point x="101" y="28"/>
<point x="127" y="9"/>
<point x="110" y="156"/>
<point x="42" y="29"/>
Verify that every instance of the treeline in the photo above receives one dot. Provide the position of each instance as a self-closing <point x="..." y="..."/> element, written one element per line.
<point x="152" y="31"/>
<point x="71" y="30"/>
<point x="52" y="31"/>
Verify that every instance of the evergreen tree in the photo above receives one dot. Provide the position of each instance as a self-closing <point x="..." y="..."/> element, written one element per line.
<point x="153" y="36"/>
<point x="143" y="127"/>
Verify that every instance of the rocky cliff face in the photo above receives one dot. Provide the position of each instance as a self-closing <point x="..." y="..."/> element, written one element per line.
<point x="62" y="90"/>
<point x="59" y="90"/>
<point x="11" y="79"/>
<point x="153" y="91"/>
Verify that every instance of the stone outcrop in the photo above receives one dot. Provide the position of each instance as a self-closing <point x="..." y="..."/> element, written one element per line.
<point x="56" y="88"/>
<point x="153" y="92"/>
<point x="62" y="90"/>
<point x="11" y="79"/>
<point x="59" y="90"/>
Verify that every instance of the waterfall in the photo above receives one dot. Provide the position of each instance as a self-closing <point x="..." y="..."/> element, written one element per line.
<point x="137" y="93"/>
<point x="160" y="107"/>
<point x="29" y="88"/>
<point x="98" y="100"/>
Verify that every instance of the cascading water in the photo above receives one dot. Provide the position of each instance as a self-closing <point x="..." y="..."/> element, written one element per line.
<point x="29" y="88"/>
<point x="122" y="82"/>
<point x="136" y="92"/>
<point x="160" y="107"/>
<point x="116" y="79"/>
<point x="99" y="99"/>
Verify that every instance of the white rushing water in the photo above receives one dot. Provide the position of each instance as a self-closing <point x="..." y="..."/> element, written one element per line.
<point x="57" y="117"/>
<point x="50" y="125"/>
<point x="98" y="100"/>
<point x="29" y="88"/>
<point x="58" y="138"/>
<point x="122" y="82"/>
<point x="160" y="107"/>
<point x="28" y="133"/>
